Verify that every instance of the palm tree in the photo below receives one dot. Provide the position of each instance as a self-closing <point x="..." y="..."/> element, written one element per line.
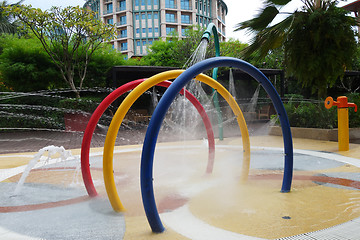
<point x="267" y="36"/>
<point x="7" y="22"/>
<point x="318" y="40"/>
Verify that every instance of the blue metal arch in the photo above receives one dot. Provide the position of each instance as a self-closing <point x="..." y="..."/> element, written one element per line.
<point x="147" y="158"/>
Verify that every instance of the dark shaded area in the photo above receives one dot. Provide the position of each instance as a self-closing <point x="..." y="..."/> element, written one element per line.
<point x="33" y="141"/>
<point x="120" y="75"/>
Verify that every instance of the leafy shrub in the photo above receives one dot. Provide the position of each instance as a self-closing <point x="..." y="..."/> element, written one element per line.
<point x="313" y="114"/>
<point x="40" y="109"/>
<point x="102" y="60"/>
<point x="354" y="117"/>
<point x="83" y="104"/>
<point x="25" y="66"/>
<point x="310" y="115"/>
<point x="27" y="114"/>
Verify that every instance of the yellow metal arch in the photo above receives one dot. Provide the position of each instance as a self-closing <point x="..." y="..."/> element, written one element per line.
<point x="129" y="101"/>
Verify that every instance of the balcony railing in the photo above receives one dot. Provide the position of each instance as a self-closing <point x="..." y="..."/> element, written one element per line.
<point x="120" y="23"/>
<point x="186" y="22"/>
<point x="124" y="35"/>
<point x="119" y="9"/>
<point x="170" y="5"/>
<point x="110" y="11"/>
<point x="221" y="20"/>
<point x="185" y="7"/>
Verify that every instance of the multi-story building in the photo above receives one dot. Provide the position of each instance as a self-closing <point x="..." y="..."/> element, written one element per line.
<point x="141" y="22"/>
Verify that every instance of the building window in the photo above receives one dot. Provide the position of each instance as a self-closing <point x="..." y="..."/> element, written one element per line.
<point x="110" y="21"/>
<point x="149" y="2"/>
<point x="124" y="46"/>
<point x="149" y="16"/>
<point x="185" y="4"/>
<point x="170" y="17"/>
<point x="156" y="15"/>
<point x="142" y="2"/>
<point x="150" y="30"/>
<point x="156" y="30"/>
<point x="138" y="43"/>
<point x="137" y="3"/>
<point x="169" y="30"/>
<point x="137" y="30"/>
<point x="144" y="30"/>
<point x="143" y="16"/>
<point x="185" y="19"/>
<point x="123" y="33"/>
<point x="183" y="32"/>
<point x="109" y="8"/>
<point x="122" y="20"/>
<point x="122" y="5"/>
<point x="170" y="3"/>
<point x="150" y="42"/>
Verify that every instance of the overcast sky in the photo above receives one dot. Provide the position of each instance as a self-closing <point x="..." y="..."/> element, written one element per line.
<point x="238" y="11"/>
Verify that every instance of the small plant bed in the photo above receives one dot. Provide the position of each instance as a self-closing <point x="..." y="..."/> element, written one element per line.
<point x="45" y="110"/>
<point x="310" y="119"/>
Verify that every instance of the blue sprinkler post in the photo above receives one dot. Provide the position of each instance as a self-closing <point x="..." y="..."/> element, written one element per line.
<point x="147" y="158"/>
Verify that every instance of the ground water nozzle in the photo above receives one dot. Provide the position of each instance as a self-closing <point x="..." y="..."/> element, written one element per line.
<point x="343" y="119"/>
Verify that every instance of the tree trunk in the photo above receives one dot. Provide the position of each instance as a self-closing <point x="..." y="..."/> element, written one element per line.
<point x="72" y="85"/>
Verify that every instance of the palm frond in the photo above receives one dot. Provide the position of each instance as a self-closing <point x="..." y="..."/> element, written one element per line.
<point x="261" y="21"/>
<point x="278" y="2"/>
<point x="7" y="22"/>
<point x="269" y="38"/>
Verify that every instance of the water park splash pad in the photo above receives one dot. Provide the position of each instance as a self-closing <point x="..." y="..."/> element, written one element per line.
<point x="191" y="203"/>
<point x="205" y="189"/>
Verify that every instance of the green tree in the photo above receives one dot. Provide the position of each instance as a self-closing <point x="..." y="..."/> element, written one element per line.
<point x="69" y="36"/>
<point x="320" y="47"/>
<point x="176" y="51"/>
<point x="161" y="54"/>
<point x="273" y="60"/>
<point x="232" y="48"/>
<point x="101" y="62"/>
<point x="313" y="41"/>
<point x="25" y="66"/>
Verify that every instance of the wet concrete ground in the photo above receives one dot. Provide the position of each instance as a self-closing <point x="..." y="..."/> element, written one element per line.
<point x="325" y="193"/>
<point x="31" y="141"/>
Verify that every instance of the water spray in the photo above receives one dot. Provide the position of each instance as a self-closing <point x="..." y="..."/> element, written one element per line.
<point x="211" y="28"/>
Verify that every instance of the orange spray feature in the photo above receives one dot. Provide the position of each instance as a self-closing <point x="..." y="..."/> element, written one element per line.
<point x="343" y="119"/>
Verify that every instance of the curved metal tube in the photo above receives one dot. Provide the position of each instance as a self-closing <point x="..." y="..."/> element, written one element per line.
<point x="90" y="128"/>
<point x="121" y="112"/>
<point x="147" y="159"/>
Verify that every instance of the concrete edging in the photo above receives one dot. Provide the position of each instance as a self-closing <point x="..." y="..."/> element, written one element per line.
<point x="315" y="133"/>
